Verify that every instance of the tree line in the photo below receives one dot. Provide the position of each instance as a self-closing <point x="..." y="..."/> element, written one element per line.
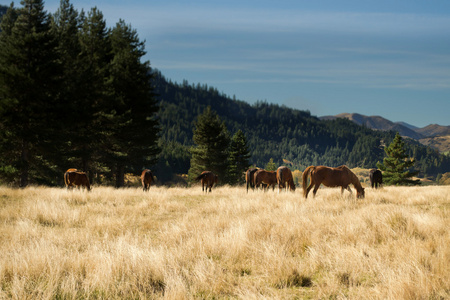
<point x="73" y="93"/>
<point x="277" y="134"/>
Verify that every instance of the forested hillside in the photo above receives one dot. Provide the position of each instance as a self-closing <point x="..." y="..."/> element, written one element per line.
<point x="288" y="136"/>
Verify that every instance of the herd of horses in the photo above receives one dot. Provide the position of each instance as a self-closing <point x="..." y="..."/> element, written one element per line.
<point x="341" y="177"/>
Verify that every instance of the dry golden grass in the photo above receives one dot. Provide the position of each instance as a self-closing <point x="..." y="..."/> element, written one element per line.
<point x="178" y="243"/>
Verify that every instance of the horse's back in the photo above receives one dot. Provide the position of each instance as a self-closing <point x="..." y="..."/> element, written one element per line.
<point x="284" y="173"/>
<point x="332" y="177"/>
<point x="267" y="177"/>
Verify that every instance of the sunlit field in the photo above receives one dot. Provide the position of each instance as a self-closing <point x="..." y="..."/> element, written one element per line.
<point x="179" y="243"/>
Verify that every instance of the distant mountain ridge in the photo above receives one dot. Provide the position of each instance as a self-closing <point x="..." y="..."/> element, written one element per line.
<point x="431" y="135"/>
<point x="433" y="130"/>
<point x="379" y="123"/>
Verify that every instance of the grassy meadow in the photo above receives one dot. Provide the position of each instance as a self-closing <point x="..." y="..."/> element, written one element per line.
<point x="179" y="243"/>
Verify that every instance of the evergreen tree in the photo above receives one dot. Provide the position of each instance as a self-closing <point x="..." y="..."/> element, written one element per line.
<point x="211" y="151"/>
<point x="396" y="164"/>
<point x="271" y="166"/>
<point x="66" y="23"/>
<point x="239" y="158"/>
<point x="88" y="134"/>
<point x="132" y="144"/>
<point x="29" y="77"/>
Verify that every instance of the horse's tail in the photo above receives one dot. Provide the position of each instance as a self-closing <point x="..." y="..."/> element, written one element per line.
<point x="200" y="176"/>
<point x="247" y="179"/>
<point x="66" y="179"/>
<point x="305" y="175"/>
<point x="280" y="177"/>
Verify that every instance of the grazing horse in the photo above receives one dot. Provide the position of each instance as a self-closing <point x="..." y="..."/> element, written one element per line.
<point x="376" y="178"/>
<point x="73" y="177"/>
<point x="268" y="178"/>
<point x="208" y="179"/>
<point x="249" y="179"/>
<point x="284" y="175"/>
<point x="331" y="177"/>
<point x="147" y="179"/>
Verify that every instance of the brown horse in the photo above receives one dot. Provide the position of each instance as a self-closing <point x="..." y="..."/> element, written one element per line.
<point x="73" y="177"/>
<point x="208" y="179"/>
<point x="249" y="178"/>
<point x="331" y="177"/>
<point x="147" y="179"/>
<point x="269" y="178"/>
<point x="284" y="175"/>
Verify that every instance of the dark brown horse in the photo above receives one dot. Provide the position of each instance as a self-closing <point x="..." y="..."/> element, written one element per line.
<point x="147" y="179"/>
<point x="331" y="177"/>
<point x="269" y="178"/>
<point x="249" y="178"/>
<point x="376" y="178"/>
<point x="73" y="177"/>
<point x="284" y="176"/>
<point x="208" y="179"/>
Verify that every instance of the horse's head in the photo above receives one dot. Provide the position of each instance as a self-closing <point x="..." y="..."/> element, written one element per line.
<point x="360" y="194"/>
<point x="292" y="186"/>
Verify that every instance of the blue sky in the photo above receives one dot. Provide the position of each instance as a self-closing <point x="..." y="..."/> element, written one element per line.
<point x="387" y="58"/>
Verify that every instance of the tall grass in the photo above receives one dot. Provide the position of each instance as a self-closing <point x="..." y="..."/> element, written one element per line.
<point x="179" y="243"/>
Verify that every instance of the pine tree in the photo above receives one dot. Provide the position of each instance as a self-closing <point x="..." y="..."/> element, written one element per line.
<point x="211" y="151"/>
<point x="93" y="61"/>
<point x="396" y="164"/>
<point x="239" y="157"/>
<point x="271" y="166"/>
<point x="66" y="24"/>
<point x="29" y="78"/>
<point x="132" y="144"/>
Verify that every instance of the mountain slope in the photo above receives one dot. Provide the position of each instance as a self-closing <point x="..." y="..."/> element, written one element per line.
<point x="272" y="131"/>
<point x="434" y="130"/>
<point x="379" y="123"/>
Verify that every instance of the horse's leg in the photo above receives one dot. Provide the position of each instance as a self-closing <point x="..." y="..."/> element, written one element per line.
<point x="309" y="188"/>
<point x="316" y="187"/>
<point x="349" y="189"/>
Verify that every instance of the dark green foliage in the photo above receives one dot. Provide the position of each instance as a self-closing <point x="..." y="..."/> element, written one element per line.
<point x="396" y="165"/>
<point x="271" y="166"/>
<point x="128" y="119"/>
<point x="212" y="141"/>
<point x="278" y="132"/>
<point x="73" y="93"/>
<point x="238" y="159"/>
<point x="29" y="77"/>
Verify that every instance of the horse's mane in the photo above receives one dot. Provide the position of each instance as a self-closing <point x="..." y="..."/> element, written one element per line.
<point x="354" y="178"/>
